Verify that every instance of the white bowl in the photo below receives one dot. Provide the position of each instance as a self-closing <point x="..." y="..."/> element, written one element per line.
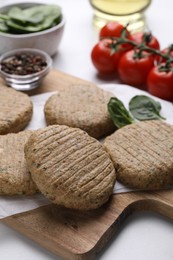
<point x="47" y="40"/>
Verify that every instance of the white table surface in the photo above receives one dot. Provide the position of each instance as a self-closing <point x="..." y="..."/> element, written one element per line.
<point x="145" y="236"/>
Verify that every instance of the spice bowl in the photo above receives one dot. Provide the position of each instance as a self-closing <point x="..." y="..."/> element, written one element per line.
<point x="24" y="69"/>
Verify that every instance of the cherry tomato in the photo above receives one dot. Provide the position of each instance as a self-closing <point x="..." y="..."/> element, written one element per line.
<point x="153" y="42"/>
<point x="114" y="30"/>
<point x="102" y="57"/>
<point x="134" y="71"/>
<point x="160" y="83"/>
<point x="164" y="51"/>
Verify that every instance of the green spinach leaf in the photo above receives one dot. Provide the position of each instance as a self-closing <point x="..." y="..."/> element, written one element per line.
<point x="48" y="22"/>
<point x="32" y="19"/>
<point x="119" y="113"/>
<point x="4" y="17"/>
<point x="145" y="108"/>
<point x="3" y="26"/>
<point x="19" y="16"/>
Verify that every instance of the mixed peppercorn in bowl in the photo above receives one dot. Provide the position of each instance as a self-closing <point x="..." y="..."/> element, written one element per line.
<point x="24" y="69"/>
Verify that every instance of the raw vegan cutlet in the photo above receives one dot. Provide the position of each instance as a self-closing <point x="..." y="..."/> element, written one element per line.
<point x="70" y="167"/>
<point x="15" y="110"/>
<point x="14" y="175"/>
<point x="142" y="154"/>
<point x="83" y="106"/>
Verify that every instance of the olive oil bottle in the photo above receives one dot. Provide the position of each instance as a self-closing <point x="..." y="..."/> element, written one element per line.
<point x="124" y="11"/>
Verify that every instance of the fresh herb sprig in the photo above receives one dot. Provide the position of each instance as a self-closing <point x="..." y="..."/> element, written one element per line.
<point x="118" y="113"/>
<point x="145" y="108"/>
<point x="141" y="107"/>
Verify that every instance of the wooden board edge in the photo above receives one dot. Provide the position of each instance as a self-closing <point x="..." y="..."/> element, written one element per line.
<point x="130" y="203"/>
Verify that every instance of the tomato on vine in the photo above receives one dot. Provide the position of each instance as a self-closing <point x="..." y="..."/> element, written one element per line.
<point x="103" y="57"/>
<point x="150" y="40"/>
<point x="160" y="82"/>
<point x="113" y="29"/>
<point x="167" y="51"/>
<point x="134" y="66"/>
<point x="133" y="57"/>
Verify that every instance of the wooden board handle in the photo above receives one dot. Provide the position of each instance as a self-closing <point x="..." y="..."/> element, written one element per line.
<point x="81" y="235"/>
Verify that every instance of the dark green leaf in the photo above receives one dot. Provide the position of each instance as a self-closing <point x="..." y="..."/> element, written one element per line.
<point x="119" y="113"/>
<point x="3" y="26"/>
<point x="33" y="19"/>
<point x="4" y="17"/>
<point x="35" y="14"/>
<point x="145" y="108"/>
<point x="19" y="16"/>
<point x="19" y="28"/>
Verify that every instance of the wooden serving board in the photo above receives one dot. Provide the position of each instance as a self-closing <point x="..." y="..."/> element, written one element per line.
<point x="74" y="234"/>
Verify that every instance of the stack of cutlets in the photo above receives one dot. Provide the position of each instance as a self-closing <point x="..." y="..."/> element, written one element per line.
<point x="64" y="160"/>
<point x="16" y="110"/>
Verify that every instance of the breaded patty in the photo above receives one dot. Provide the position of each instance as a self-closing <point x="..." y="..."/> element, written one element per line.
<point x="142" y="154"/>
<point x="70" y="167"/>
<point x="15" y="110"/>
<point x="14" y="175"/>
<point x="82" y="106"/>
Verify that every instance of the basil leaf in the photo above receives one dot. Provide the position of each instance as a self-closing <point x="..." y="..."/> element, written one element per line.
<point x="119" y="113"/>
<point x="145" y="108"/>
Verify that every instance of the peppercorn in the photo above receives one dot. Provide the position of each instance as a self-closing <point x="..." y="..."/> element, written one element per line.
<point x="23" y="64"/>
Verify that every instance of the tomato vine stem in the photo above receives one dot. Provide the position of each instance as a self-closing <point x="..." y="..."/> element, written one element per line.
<point x="141" y="47"/>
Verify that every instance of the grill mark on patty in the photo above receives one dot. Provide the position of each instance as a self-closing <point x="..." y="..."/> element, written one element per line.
<point x="96" y="177"/>
<point x="145" y="129"/>
<point x="50" y="148"/>
<point x="90" y="168"/>
<point x="62" y="169"/>
<point x="158" y="132"/>
<point x="146" y="149"/>
<point x="46" y="135"/>
<point x="148" y="165"/>
<point x="102" y="183"/>
<point x="132" y="159"/>
<point x="148" y="138"/>
<point x="87" y="195"/>
<point x="159" y="146"/>
<point x="49" y="163"/>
